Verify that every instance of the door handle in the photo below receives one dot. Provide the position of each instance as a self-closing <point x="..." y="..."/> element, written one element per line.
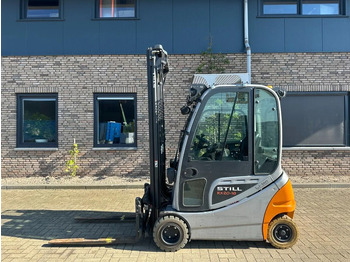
<point x="190" y="172"/>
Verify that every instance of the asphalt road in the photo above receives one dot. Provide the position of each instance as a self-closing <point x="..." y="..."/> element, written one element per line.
<point x="32" y="217"/>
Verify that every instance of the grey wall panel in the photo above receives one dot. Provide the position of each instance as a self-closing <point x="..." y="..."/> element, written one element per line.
<point x="117" y="37"/>
<point x="13" y="33"/>
<point x="298" y="34"/>
<point x="226" y="26"/>
<point x="335" y="39"/>
<point x="80" y="30"/>
<point x="14" y="42"/>
<point x="77" y="41"/>
<point x="182" y="26"/>
<point x="303" y="35"/>
<point x="45" y="38"/>
<point x="190" y="26"/>
<point x="267" y="35"/>
<point x="155" y="25"/>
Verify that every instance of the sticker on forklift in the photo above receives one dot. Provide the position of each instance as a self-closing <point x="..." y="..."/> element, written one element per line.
<point x="109" y="240"/>
<point x="224" y="192"/>
<point x="156" y="163"/>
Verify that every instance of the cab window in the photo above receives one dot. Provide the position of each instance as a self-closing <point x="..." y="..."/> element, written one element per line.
<point x="266" y="132"/>
<point x="222" y="130"/>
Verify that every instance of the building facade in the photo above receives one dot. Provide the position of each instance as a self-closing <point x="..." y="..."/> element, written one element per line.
<point x="74" y="69"/>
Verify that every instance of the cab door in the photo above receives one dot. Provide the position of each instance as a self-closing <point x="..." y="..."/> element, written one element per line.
<point x="219" y="146"/>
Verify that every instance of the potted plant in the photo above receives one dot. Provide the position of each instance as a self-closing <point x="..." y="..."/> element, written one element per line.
<point x="128" y="134"/>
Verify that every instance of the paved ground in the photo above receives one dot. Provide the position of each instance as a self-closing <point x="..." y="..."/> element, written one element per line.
<point x="32" y="217"/>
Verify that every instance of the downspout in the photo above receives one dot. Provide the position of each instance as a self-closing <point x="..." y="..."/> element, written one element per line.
<point x="246" y="42"/>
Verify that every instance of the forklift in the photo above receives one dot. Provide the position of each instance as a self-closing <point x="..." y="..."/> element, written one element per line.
<point x="225" y="181"/>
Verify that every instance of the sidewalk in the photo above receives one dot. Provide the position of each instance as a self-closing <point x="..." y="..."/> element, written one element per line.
<point x="32" y="217"/>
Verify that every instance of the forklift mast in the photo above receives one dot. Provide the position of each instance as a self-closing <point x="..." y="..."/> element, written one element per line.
<point x="157" y="69"/>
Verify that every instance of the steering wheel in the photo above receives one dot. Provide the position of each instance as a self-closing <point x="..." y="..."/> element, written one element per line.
<point x="201" y="138"/>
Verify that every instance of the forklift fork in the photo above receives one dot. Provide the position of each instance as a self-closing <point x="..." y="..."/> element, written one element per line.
<point x="130" y="218"/>
<point x="139" y="230"/>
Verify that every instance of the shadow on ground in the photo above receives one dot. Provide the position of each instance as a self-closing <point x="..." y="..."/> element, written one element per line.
<point x="49" y="224"/>
<point x="52" y="224"/>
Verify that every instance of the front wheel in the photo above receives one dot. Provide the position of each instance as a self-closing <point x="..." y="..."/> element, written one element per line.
<point x="170" y="233"/>
<point x="283" y="232"/>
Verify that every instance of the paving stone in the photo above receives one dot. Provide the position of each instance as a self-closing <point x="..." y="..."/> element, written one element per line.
<point x="30" y="218"/>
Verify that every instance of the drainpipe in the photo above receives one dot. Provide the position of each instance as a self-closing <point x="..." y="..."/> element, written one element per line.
<point x="246" y="42"/>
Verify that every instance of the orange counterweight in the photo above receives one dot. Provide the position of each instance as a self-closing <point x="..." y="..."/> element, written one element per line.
<point x="282" y="203"/>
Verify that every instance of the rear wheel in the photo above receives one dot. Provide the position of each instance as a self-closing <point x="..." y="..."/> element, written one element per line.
<point x="170" y="233"/>
<point x="282" y="232"/>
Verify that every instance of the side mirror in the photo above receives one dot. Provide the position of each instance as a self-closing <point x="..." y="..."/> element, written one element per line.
<point x="185" y="110"/>
<point x="280" y="92"/>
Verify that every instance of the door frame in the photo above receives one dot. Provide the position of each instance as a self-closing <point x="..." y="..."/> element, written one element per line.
<point x="244" y="168"/>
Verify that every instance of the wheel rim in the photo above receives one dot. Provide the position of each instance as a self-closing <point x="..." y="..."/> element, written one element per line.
<point x="171" y="234"/>
<point x="283" y="233"/>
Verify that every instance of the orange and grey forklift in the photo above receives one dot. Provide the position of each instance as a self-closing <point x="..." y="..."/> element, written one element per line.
<point x="226" y="181"/>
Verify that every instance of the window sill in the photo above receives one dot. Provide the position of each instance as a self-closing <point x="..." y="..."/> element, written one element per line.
<point x="302" y="16"/>
<point x="41" y="20"/>
<point x="36" y="149"/>
<point x="114" y="18"/>
<point x="114" y="148"/>
<point x="337" y="148"/>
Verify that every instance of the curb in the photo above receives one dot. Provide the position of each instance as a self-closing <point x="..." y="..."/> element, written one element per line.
<point x="31" y="187"/>
<point x="72" y="187"/>
<point x="322" y="185"/>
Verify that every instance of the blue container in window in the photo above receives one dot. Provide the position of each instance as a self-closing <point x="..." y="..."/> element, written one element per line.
<point x="113" y="131"/>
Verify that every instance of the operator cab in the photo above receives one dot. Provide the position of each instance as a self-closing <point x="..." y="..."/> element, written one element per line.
<point x="231" y="148"/>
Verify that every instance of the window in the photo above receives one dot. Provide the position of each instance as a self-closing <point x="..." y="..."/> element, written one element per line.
<point x="222" y="131"/>
<point x="37" y="120"/>
<point x="193" y="192"/>
<point x="38" y="9"/>
<point x="116" y="8"/>
<point x="302" y="7"/>
<point x="266" y="132"/>
<point x="115" y="120"/>
<point x="276" y="7"/>
<point x="315" y="119"/>
<point x="321" y="7"/>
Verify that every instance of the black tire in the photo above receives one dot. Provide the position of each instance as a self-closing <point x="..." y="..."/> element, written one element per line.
<point x="282" y="232"/>
<point x="170" y="233"/>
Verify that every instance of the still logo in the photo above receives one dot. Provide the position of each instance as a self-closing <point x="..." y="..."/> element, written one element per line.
<point x="228" y="189"/>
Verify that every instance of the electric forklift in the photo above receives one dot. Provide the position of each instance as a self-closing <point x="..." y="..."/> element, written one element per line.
<point x="225" y="181"/>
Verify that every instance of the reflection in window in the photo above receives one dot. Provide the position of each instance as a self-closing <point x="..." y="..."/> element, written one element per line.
<point x="42" y="8"/>
<point x="266" y="132"/>
<point x="315" y="119"/>
<point x="222" y="131"/>
<point x="320" y="7"/>
<point x="37" y="121"/>
<point x="193" y="192"/>
<point x="115" y="120"/>
<point x="301" y="7"/>
<point x="116" y="8"/>
<point x="274" y="7"/>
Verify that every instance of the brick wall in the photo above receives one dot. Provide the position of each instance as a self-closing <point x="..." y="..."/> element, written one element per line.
<point x="76" y="78"/>
<point x="314" y="71"/>
<point x="316" y="162"/>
